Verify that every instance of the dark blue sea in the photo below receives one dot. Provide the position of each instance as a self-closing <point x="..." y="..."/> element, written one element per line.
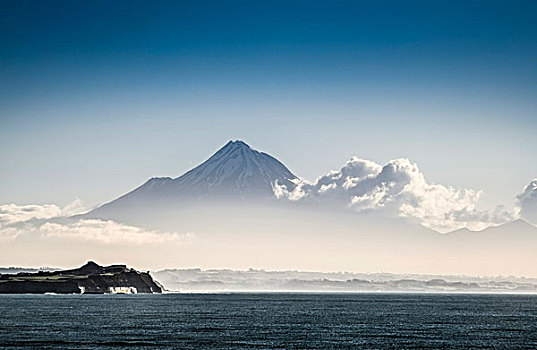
<point x="269" y="321"/>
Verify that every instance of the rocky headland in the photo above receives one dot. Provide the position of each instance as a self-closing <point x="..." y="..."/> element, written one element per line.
<point x="88" y="279"/>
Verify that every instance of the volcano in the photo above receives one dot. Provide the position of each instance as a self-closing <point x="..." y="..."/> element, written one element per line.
<point x="236" y="173"/>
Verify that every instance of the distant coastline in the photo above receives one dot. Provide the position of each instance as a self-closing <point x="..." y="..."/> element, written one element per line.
<point x="197" y="280"/>
<point x="225" y="280"/>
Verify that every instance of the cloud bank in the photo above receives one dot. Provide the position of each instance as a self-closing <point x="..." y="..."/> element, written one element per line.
<point x="14" y="223"/>
<point x="13" y="213"/>
<point x="108" y="232"/>
<point x="528" y="202"/>
<point x="399" y="189"/>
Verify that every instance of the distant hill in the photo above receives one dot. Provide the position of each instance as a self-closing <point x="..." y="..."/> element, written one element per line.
<point x="13" y="270"/>
<point x="190" y="280"/>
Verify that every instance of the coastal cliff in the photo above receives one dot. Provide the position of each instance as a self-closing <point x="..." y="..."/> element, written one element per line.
<point x="90" y="279"/>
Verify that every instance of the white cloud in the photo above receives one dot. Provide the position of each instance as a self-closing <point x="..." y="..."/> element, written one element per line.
<point x="108" y="232"/>
<point x="397" y="189"/>
<point x="528" y="202"/>
<point x="13" y="213"/>
<point x="8" y="234"/>
<point x="331" y="184"/>
<point x="14" y="222"/>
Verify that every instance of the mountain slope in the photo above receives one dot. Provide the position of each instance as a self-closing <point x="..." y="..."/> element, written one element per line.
<point x="236" y="172"/>
<point x="518" y="229"/>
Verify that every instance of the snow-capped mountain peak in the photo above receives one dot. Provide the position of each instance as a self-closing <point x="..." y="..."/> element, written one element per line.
<point x="235" y="171"/>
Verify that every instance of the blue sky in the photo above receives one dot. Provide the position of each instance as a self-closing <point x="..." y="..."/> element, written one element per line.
<point x="95" y="98"/>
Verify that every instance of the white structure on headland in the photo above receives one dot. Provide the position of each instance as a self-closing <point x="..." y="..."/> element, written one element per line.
<point x="123" y="290"/>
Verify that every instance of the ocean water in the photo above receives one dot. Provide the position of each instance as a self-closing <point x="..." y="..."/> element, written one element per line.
<point x="268" y="321"/>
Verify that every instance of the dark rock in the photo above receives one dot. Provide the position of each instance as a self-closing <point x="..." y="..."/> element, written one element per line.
<point x="90" y="278"/>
